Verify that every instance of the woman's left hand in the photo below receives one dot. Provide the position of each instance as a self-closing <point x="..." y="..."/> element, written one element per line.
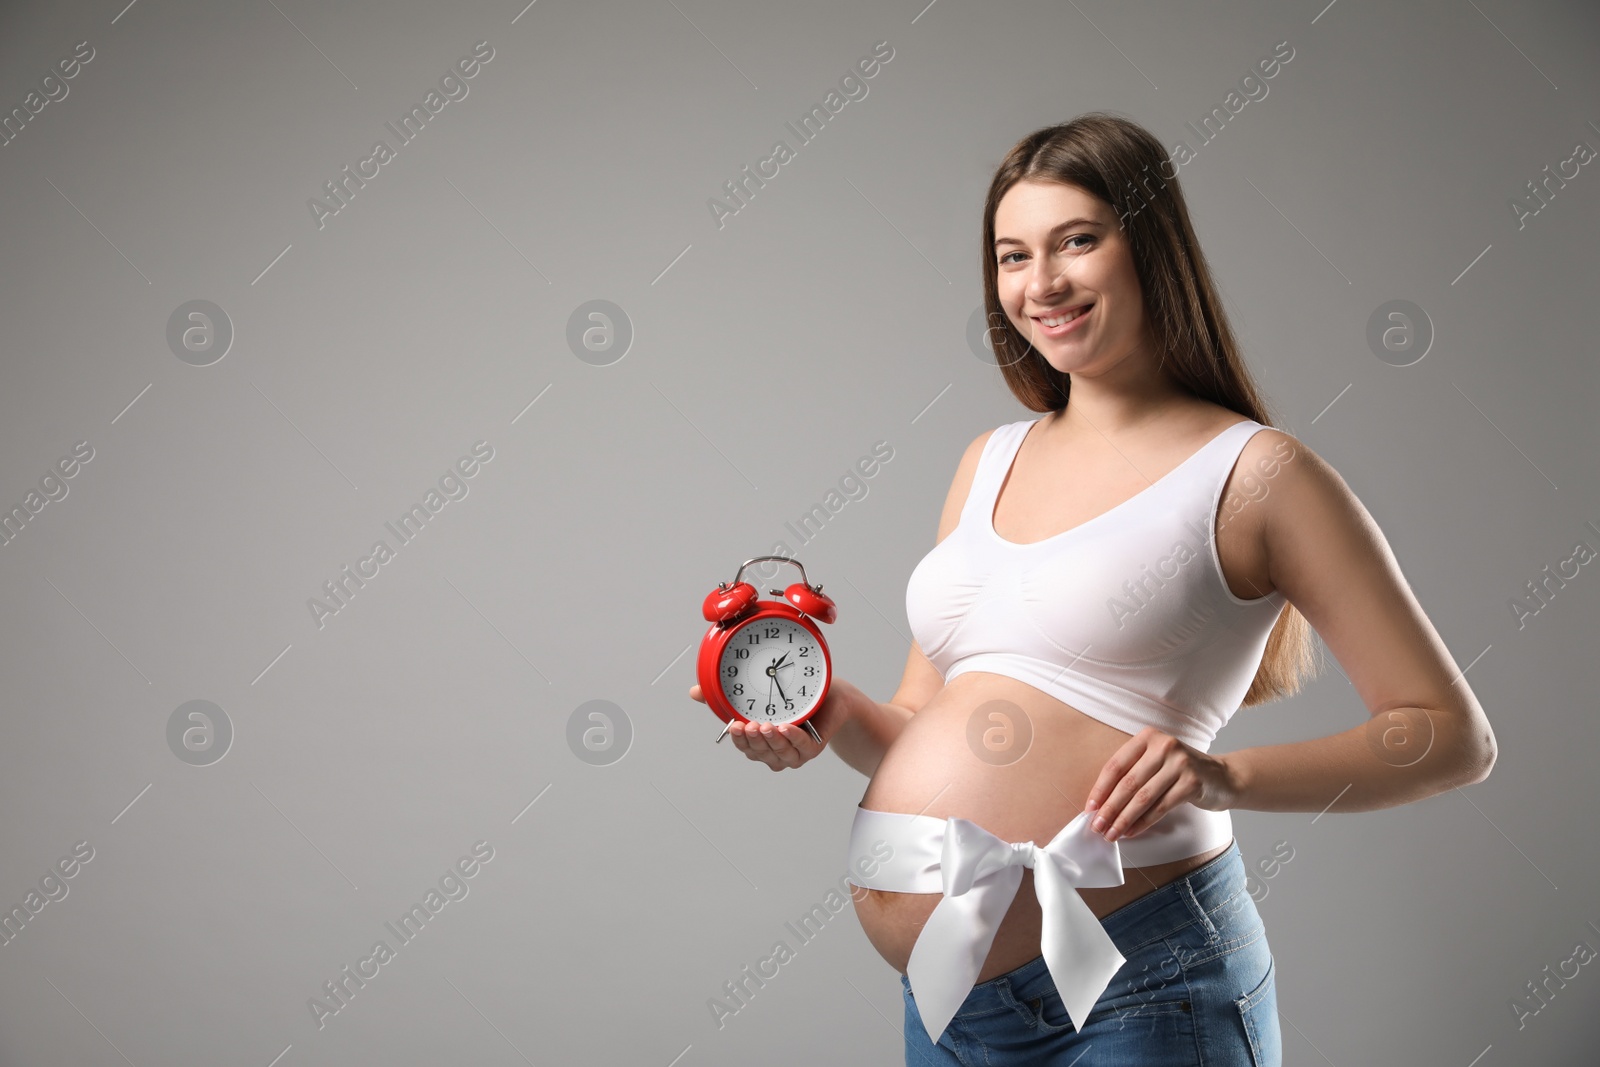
<point x="1149" y="776"/>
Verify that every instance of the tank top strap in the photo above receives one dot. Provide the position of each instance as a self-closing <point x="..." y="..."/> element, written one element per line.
<point x="1224" y="451"/>
<point x="998" y="452"/>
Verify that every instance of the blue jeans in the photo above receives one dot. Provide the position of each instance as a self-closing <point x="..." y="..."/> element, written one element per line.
<point x="1197" y="989"/>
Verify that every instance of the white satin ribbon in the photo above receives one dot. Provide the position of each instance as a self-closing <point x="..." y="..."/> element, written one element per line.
<point x="981" y="874"/>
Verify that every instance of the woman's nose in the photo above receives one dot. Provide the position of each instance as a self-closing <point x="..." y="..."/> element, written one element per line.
<point x="1044" y="279"/>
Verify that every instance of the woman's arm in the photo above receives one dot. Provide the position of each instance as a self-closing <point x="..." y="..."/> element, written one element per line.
<point x="1344" y="772"/>
<point x="868" y="731"/>
<point x="1427" y="733"/>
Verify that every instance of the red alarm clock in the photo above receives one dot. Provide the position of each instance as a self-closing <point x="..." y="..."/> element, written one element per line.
<point x="765" y="660"/>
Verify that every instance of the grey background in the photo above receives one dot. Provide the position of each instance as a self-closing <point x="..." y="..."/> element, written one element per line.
<point x="768" y="356"/>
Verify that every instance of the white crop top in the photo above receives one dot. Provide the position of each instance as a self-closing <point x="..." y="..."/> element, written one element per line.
<point x="1126" y="617"/>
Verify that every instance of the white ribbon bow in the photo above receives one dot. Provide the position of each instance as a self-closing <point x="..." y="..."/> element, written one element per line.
<point x="981" y="875"/>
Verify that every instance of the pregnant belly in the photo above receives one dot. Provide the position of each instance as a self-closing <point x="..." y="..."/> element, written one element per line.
<point x="1020" y="764"/>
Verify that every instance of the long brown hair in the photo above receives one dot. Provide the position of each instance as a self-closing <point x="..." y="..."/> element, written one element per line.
<point x="1122" y="164"/>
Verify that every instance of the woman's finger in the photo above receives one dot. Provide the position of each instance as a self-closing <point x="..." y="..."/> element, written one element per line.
<point x="741" y="740"/>
<point x="782" y="748"/>
<point x="1143" y="800"/>
<point x="1177" y="792"/>
<point x="1130" y="782"/>
<point x="778" y="746"/>
<point x="757" y="745"/>
<point x="799" y="740"/>
<point x="1121" y="761"/>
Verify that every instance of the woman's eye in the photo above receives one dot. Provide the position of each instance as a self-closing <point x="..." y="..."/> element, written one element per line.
<point x="1075" y="237"/>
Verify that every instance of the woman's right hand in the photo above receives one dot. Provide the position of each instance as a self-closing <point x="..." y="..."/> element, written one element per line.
<point x="787" y="745"/>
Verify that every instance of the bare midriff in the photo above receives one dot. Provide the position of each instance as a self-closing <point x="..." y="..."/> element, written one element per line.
<point x="933" y="769"/>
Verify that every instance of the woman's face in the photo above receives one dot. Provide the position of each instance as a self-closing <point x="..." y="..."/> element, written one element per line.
<point x="1058" y="250"/>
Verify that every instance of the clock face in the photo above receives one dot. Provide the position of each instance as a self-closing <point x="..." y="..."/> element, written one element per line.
<point x="772" y="670"/>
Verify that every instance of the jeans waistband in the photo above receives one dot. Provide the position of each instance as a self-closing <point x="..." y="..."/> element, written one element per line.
<point x="1190" y="899"/>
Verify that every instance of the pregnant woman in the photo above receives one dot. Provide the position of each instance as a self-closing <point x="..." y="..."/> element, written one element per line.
<point x="1044" y="848"/>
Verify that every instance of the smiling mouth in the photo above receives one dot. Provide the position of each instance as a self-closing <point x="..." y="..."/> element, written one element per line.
<point x="1053" y="321"/>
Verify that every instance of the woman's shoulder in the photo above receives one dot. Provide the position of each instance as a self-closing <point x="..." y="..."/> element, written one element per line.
<point x="1209" y="416"/>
